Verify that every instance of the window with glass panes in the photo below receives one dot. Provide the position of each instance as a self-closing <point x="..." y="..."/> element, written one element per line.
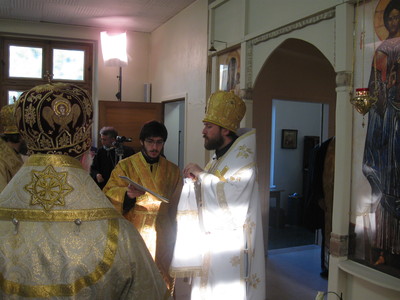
<point x="30" y="62"/>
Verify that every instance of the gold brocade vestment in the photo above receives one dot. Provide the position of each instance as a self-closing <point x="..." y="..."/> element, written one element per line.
<point x="60" y="238"/>
<point x="155" y="220"/>
<point x="10" y="162"/>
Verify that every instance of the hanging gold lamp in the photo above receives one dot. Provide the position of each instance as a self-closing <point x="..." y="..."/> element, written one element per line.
<point x="363" y="101"/>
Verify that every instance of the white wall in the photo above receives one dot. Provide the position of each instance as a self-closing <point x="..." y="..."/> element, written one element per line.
<point x="266" y="15"/>
<point x="134" y="76"/>
<point x="307" y="119"/>
<point x="321" y="35"/>
<point x="174" y="117"/>
<point x="178" y="67"/>
<point x="258" y="17"/>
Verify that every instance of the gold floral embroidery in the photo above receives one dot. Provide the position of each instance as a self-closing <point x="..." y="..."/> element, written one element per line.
<point x="64" y="139"/>
<point x="69" y="289"/>
<point x="48" y="188"/>
<point x="253" y="281"/>
<point x="244" y="151"/>
<point x="88" y="105"/>
<point x="235" y="261"/>
<point x="45" y="142"/>
<point x="233" y="178"/>
<point x="30" y="115"/>
<point x="250" y="226"/>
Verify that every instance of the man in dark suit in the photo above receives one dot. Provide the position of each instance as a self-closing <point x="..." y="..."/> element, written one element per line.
<point x="108" y="156"/>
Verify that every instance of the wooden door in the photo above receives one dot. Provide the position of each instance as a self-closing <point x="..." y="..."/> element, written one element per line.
<point x="128" y="118"/>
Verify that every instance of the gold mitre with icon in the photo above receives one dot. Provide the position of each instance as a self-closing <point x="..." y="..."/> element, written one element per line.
<point x="55" y="118"/>
<point x="8" y="125"/>
<point x="225" y="109"/>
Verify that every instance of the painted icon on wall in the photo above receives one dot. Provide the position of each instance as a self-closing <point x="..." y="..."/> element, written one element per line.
<point x="229" y="71"/>
<point x="375" y="224"/>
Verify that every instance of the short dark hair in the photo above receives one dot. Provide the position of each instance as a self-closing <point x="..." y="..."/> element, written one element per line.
<point x="153" y="129"/>
<point x="394" y="4"/>
<point x="109" y="131"/>
<point x="232" y="135"/>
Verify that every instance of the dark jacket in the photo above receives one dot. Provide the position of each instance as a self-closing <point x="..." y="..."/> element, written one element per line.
<point x="104" y="162"/>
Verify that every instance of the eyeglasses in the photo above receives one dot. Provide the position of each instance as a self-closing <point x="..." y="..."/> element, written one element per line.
<point x="154" y="142"/>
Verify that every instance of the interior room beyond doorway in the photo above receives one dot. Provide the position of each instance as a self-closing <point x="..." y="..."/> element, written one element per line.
<point x="289" y="168"/>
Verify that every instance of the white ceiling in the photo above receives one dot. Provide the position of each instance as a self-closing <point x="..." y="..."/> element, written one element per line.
<point x="135" y="15"/>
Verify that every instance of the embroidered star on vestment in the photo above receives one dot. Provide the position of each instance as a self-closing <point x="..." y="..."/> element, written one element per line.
<point x="48" y="188"/>
<point x="244" y="151"/>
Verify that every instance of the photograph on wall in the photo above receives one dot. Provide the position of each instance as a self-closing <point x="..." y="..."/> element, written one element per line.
<point x="289" y="139"/>
<point x="229" y="71"/>
<point x="374" y="238"/>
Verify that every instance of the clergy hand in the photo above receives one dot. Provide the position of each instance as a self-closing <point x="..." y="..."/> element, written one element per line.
<point x="132" y="192"/>
<point x="192" y="171"/>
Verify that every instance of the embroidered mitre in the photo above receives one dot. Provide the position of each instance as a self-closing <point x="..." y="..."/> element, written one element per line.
<point x="225" y="109"/>
<point x="55" y="118"/>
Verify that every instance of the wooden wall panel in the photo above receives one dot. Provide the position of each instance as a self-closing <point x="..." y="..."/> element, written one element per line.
<point x="128" y="118"/>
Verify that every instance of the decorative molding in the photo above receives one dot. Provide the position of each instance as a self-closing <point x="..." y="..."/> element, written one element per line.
<point x="339" y="245"/>
<point x="311" y="20"/>
<point x="343" y="79"/>
<point x="247" y="94"/>
<point x="249" y="65"/>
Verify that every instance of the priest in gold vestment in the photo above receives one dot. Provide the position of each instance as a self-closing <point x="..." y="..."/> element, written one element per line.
<point x="11" y="146"/>
<point x="60" y="237"/>
<point x="153" y="218"/>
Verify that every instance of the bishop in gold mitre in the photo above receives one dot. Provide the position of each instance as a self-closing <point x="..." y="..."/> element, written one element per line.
<point x="219" y="241"/>
<point x="60" y="237"/>
<point x="11" y="146"/>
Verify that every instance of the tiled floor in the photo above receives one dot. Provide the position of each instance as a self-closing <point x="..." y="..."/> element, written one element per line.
<point x="293" y="273"/>
<point x="293" y="264"/>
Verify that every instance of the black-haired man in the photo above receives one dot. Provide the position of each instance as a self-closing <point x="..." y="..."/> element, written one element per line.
<point x="154" y="219"/>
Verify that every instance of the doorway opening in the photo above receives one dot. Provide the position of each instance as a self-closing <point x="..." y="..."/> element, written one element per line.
<point x="174" y="120"/>
<point x="306" y="124"/>
<point x="296" y="72"/>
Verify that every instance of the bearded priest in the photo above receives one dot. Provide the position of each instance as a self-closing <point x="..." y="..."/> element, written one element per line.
<point x="219" y="238"/>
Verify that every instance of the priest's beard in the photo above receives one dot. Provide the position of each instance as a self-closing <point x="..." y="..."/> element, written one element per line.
<point x="149" y="159"/>
<point x="213" y="143"/>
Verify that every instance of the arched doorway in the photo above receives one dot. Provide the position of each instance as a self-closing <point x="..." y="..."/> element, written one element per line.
<point x="295" y="71"/>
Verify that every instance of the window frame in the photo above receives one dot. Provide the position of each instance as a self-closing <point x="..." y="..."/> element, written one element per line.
<point x="8" y="83"/>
